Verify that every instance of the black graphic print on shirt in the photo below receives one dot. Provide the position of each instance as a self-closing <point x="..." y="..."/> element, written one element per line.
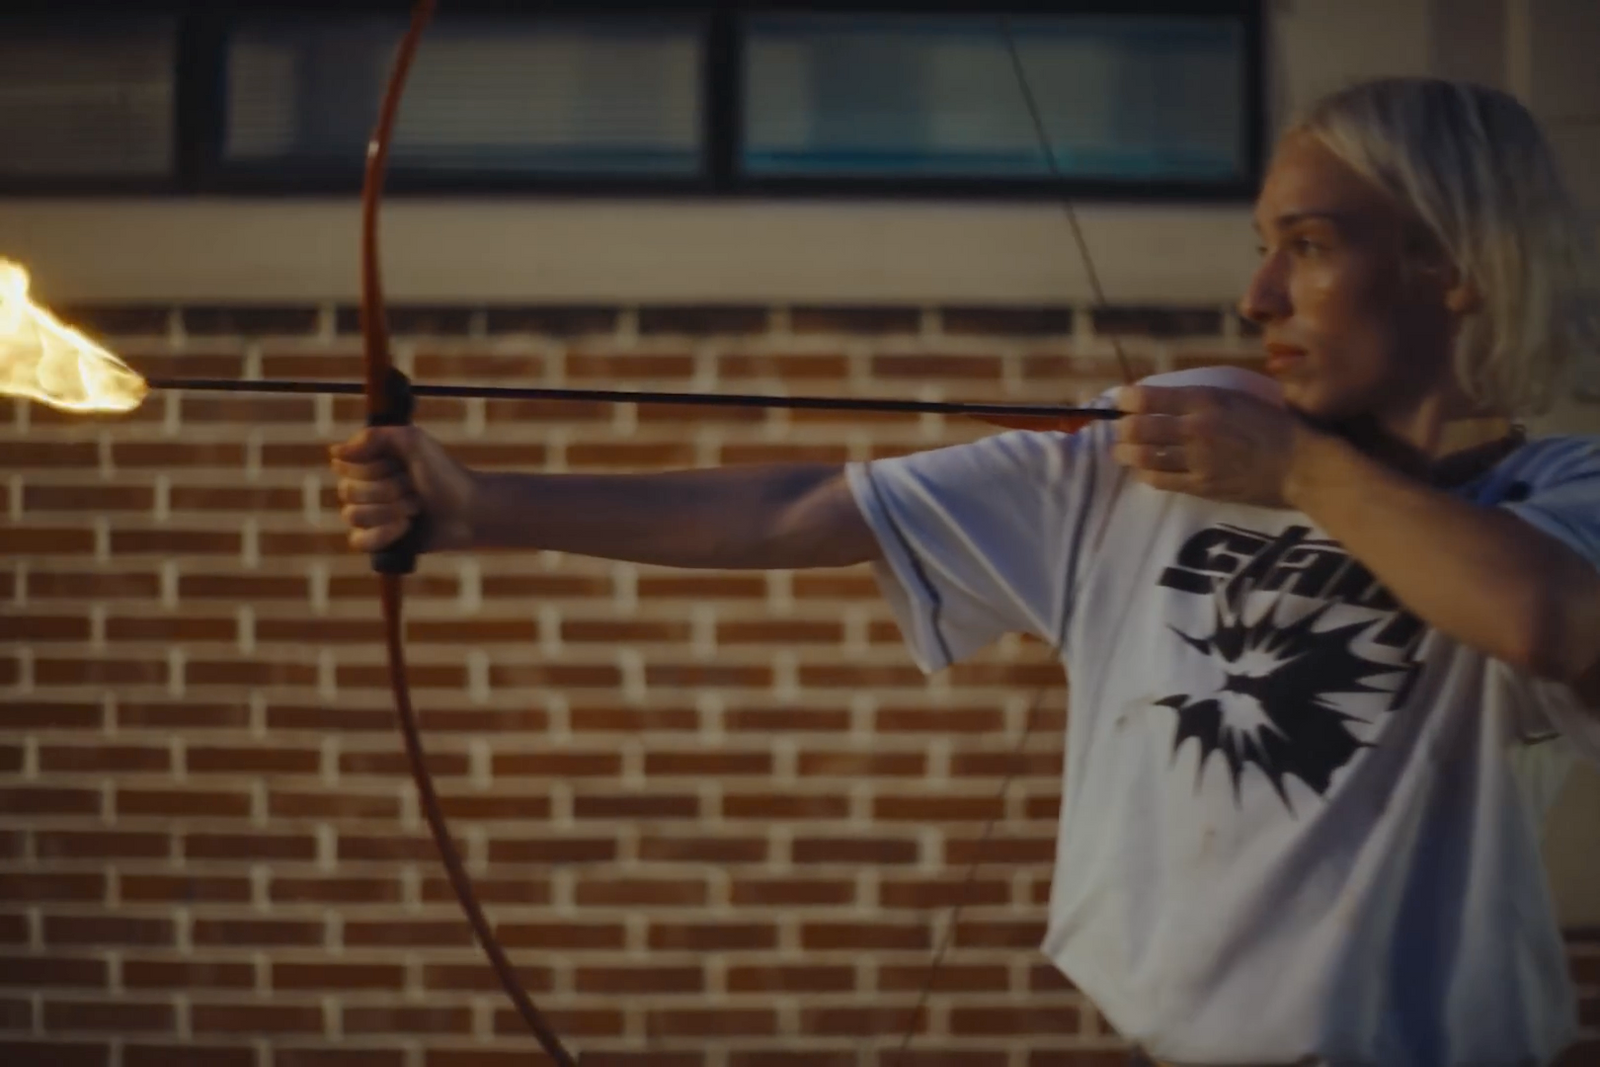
<point x="1288" y="682"/>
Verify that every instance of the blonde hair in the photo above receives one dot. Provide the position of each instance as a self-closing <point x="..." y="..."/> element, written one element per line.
<point x="1472" y="165"/>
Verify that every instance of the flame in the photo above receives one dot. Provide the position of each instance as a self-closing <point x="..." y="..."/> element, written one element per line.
<point x="44" y="360"/>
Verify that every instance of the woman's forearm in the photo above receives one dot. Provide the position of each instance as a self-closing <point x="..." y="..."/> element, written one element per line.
<point x="1480" y="575"/>
<point x="778" y="517"/>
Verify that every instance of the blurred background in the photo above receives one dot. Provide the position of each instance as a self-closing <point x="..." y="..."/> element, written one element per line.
<point x="718" y="818"/>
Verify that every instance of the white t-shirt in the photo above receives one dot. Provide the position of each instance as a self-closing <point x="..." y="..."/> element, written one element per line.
<point x="1295" y="820"/>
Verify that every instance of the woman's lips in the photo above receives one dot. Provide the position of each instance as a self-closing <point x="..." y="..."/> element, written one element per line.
<point x="1283" y="358"/>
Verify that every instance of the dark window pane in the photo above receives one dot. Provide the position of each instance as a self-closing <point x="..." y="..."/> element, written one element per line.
<point x="485" y="95"/>
<point x="87" y="99"/>
<point x="1121" y="97"/>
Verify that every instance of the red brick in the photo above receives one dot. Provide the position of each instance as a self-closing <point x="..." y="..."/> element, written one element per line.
<point x="571" y="1023"/>
<point x="766" y="806"/>
<point x="557" y="764"/>
<point x="798" y="367"/>
<point x="1024" y="935"/>
<point x="968" y="720"/>
<point x="539" y="850"/>
<point x="855" y="850"/>
<point x="563" y="936"/>
<point x="421" y="1019"/>
<point x="188" y="1056"/>
<point x="925" y="893"/>
<point x="640" y="980"/>
<point x="93" y="498"/>
<point x="798" y="978"/>
<point x="862" y="765"/>
<point x="1000" y="1020"/>
<point x="55" y="455"/>
<point x="100" y="931"/>
<point x="54" y="1053"/>
<point x="787" y="720"/>
<point x="655" y="848"/>
<point x="641" y="368"/>
<point x="285" y="889"/>
<point x="251" y="759"/>
<point x="101" y="844"/>
<point x="256" y="932"/>
<point x="235" y="499"/>
<point x="700" y="587"/>
<point x="52" y="886"/>
<point x="614" y="631"/>
<point x="395" y="764"/>
<point x="45" y="541"/>
<point x="859" y="937"/>
<point x="706" y="764"/>
<point x="792" y="892"/>
<point x="185" y="716"/>
<point x="52" y="715"/>
<point x="170" y="542"/>
<point x="1008" y="849"/>
<point x="618" y="720"/>
<point x="40" y="629"/>
<point x="171" y="628"/>
<point x="480" y="977"/>
<point x="184" y="889"/>
<point x="105" y="759"/>
<point x="255" y="847"/>
<point x="107" y="672"/>
<point x="859" y="676"/>
<point x="53" y="970"/>
<point x="858" y="1022"/>
<point x="242" y="587"/>
<point x="711" y="1022"/>
<point x="235" y="1019"/>
<point x="13" y="929"/>
<point x="925" y="809"/>
<point x="337" y="976"/>
<point x="949" y="978"/>
<point x="188" y="973"/>
<point x="490" y="891"/>
<point x="180" y="803"/>
<point x="696" y="675"/>
<point x="331" y="804"/>
<point x="637" y="806"/>
<point x="640" y="892"/>
<point x="118" y="1016"/>
<point x="408" y="932"/>
<point x="713" y="936"/>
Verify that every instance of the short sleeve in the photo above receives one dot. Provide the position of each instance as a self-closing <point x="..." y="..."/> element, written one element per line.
<point x="983" y="539"/>
<point x="1557" y="490"/>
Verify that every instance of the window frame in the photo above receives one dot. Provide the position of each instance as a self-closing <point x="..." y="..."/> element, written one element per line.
<point x="200" y="77"/>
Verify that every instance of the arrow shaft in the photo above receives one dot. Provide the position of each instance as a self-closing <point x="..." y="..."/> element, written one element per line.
<point x="812" y="403"/>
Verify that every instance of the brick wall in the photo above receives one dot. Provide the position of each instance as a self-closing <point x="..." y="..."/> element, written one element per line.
<point x="714" y="816"/>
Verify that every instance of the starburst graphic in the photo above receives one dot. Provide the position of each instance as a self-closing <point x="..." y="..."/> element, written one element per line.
<point x="1278" y="706"/>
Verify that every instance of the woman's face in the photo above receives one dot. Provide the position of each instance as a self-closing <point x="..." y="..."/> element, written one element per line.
<point x="1352" y="324"/>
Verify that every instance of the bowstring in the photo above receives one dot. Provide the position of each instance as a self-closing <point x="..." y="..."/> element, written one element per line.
<point x="947" y="938"/>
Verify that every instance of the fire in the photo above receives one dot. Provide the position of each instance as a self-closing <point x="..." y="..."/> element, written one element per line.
<point x="44" y="360"/>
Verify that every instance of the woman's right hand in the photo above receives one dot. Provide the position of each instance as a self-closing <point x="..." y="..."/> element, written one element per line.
<point x="390" y="474"/>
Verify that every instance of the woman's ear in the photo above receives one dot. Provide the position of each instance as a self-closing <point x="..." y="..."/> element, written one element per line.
<point x="1463" y="297"/>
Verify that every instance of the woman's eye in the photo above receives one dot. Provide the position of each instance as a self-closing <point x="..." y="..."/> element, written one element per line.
<point x="1305" y="246"/>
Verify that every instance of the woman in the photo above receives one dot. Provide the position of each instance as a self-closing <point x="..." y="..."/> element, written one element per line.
<point x="1333" y="634"/>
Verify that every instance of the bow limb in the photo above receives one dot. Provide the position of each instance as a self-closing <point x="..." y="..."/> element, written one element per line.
<point x="389" y="402"/>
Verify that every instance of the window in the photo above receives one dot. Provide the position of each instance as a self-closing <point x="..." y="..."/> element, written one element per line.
<point x="88" y="103"/>
<point x="1131" y="98"/>
<point x="626" y="96"/>
<point x="499" y="96"/>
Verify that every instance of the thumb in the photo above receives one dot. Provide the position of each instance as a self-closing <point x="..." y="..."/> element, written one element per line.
<point x="373" y="443"/>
